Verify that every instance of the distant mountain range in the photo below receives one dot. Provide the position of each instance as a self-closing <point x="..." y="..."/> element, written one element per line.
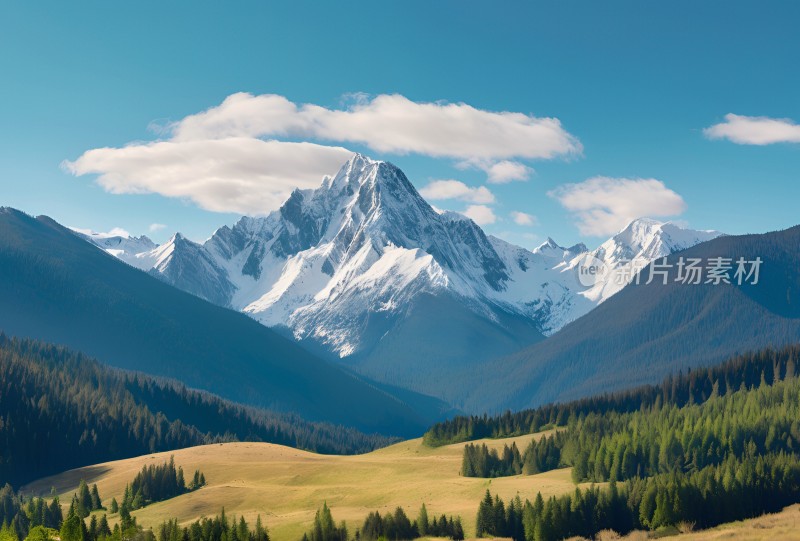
<point x="56" y="287"/>
<point x="364" y="271"/>
<point x="409" y="302"/>
<point x="648" y="331"/>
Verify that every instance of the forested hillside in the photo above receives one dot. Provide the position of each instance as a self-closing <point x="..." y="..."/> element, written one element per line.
<point x="60" y="410"/>
<point x="695" y="386"/>
<point x="698" y="465"/>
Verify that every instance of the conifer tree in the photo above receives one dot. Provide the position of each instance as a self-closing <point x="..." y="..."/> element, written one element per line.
<point x="96" y="501"/>
<point x="72" y="529"/>
<point x="422" y="521"/>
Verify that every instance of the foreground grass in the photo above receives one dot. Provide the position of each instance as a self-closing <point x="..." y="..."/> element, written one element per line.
<point x="286" y="486"/>
<point x="782" y="526"/>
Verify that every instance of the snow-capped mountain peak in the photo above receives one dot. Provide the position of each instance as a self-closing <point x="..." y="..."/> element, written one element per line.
<point x="120" y="244"/>
<point x="349" y="263"/>
<point x="634" y="247"/>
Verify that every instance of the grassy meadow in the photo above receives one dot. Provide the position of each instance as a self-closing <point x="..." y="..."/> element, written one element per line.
<point x="286" y="486"/>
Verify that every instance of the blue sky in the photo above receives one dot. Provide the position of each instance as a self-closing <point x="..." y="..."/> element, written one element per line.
<point x="635" y="83"/>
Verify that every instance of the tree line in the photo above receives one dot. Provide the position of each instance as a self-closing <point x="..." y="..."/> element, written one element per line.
<point x="156" y="483"/>
<point x="695" y="386"/>
<point x="659" y="439"/>
<point x="218" y="528"/>
<point x="540" y="456"/>
<point x="61" y="410"/>
<point x="735" y="489"/>
<point x="397" y="525"/>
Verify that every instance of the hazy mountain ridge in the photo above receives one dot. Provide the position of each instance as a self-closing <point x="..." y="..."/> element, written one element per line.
<point x="648" y="331"/>
<point x="56" y="287"/>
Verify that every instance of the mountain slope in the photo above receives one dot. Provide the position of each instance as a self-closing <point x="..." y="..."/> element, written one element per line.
<point x="364" y="271"/>
<point x="62" y="410"/>
<point x="56" y="287"/>
<point x="647" y="331"/>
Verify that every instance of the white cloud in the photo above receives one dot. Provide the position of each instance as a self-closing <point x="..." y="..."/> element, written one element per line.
<point x="235" y="174"/>
<point x="603" y="206"/>
<point x="480" y="214"/>
<point x="522" y="218"/>
<point x="156" y="227"/>
<point x="387" y="123"/>
<point x="226" y="159"/>
<point x="506" y="171"/>
<point x="455" y="189"/>
<point x="499" y="172"/>
<point x="755" y="130"/>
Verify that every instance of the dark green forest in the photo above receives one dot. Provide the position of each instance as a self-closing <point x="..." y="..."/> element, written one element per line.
<point x="732" y="456"/>
<point x="695" y="386"/>
<point x="733" y="490"/>
<point x="61" y="410"/>
<point x="763" y="419"/>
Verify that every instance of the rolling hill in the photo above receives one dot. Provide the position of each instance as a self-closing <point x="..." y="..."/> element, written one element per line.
<point x="286" y="486"/>
<point x="58" y="288"/>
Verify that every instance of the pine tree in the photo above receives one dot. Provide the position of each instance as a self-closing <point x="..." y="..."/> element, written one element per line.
<point x="55" y="517"/>
<point x="458" y="530"/>
<point x="484" y="522"/>
<point x="93" y="528"/>
<point x="261" y="533"/>
<point x="72" y="529"/>
<point x="96" y="501"/>
<point x="102" y="529"/>
<point x="422" y="521"/>
<point x="7" y="533"/>
<point x="84" y="506"/>
<point x="114" y="506"/>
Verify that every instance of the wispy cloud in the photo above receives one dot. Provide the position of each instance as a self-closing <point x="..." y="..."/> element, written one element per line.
<point x="480" y="214"/>
<point x="499" y="172"/>
<point x="114" y="232"/>
<point x="522" y="218"/>
<point x="156" y="227"/>
<point x="439" y="190"/>
<point x="603" y="205"/>
<point x="755" y="130"/>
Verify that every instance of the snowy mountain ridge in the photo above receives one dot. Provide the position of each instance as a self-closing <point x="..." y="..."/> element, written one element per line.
<point x="341" y="265"/>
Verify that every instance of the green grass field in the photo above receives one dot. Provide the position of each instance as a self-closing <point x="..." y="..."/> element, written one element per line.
<point x="286" y="486"/>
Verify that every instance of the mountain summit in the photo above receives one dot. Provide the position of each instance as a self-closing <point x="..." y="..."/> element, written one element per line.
<point x="364" y="270"/>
